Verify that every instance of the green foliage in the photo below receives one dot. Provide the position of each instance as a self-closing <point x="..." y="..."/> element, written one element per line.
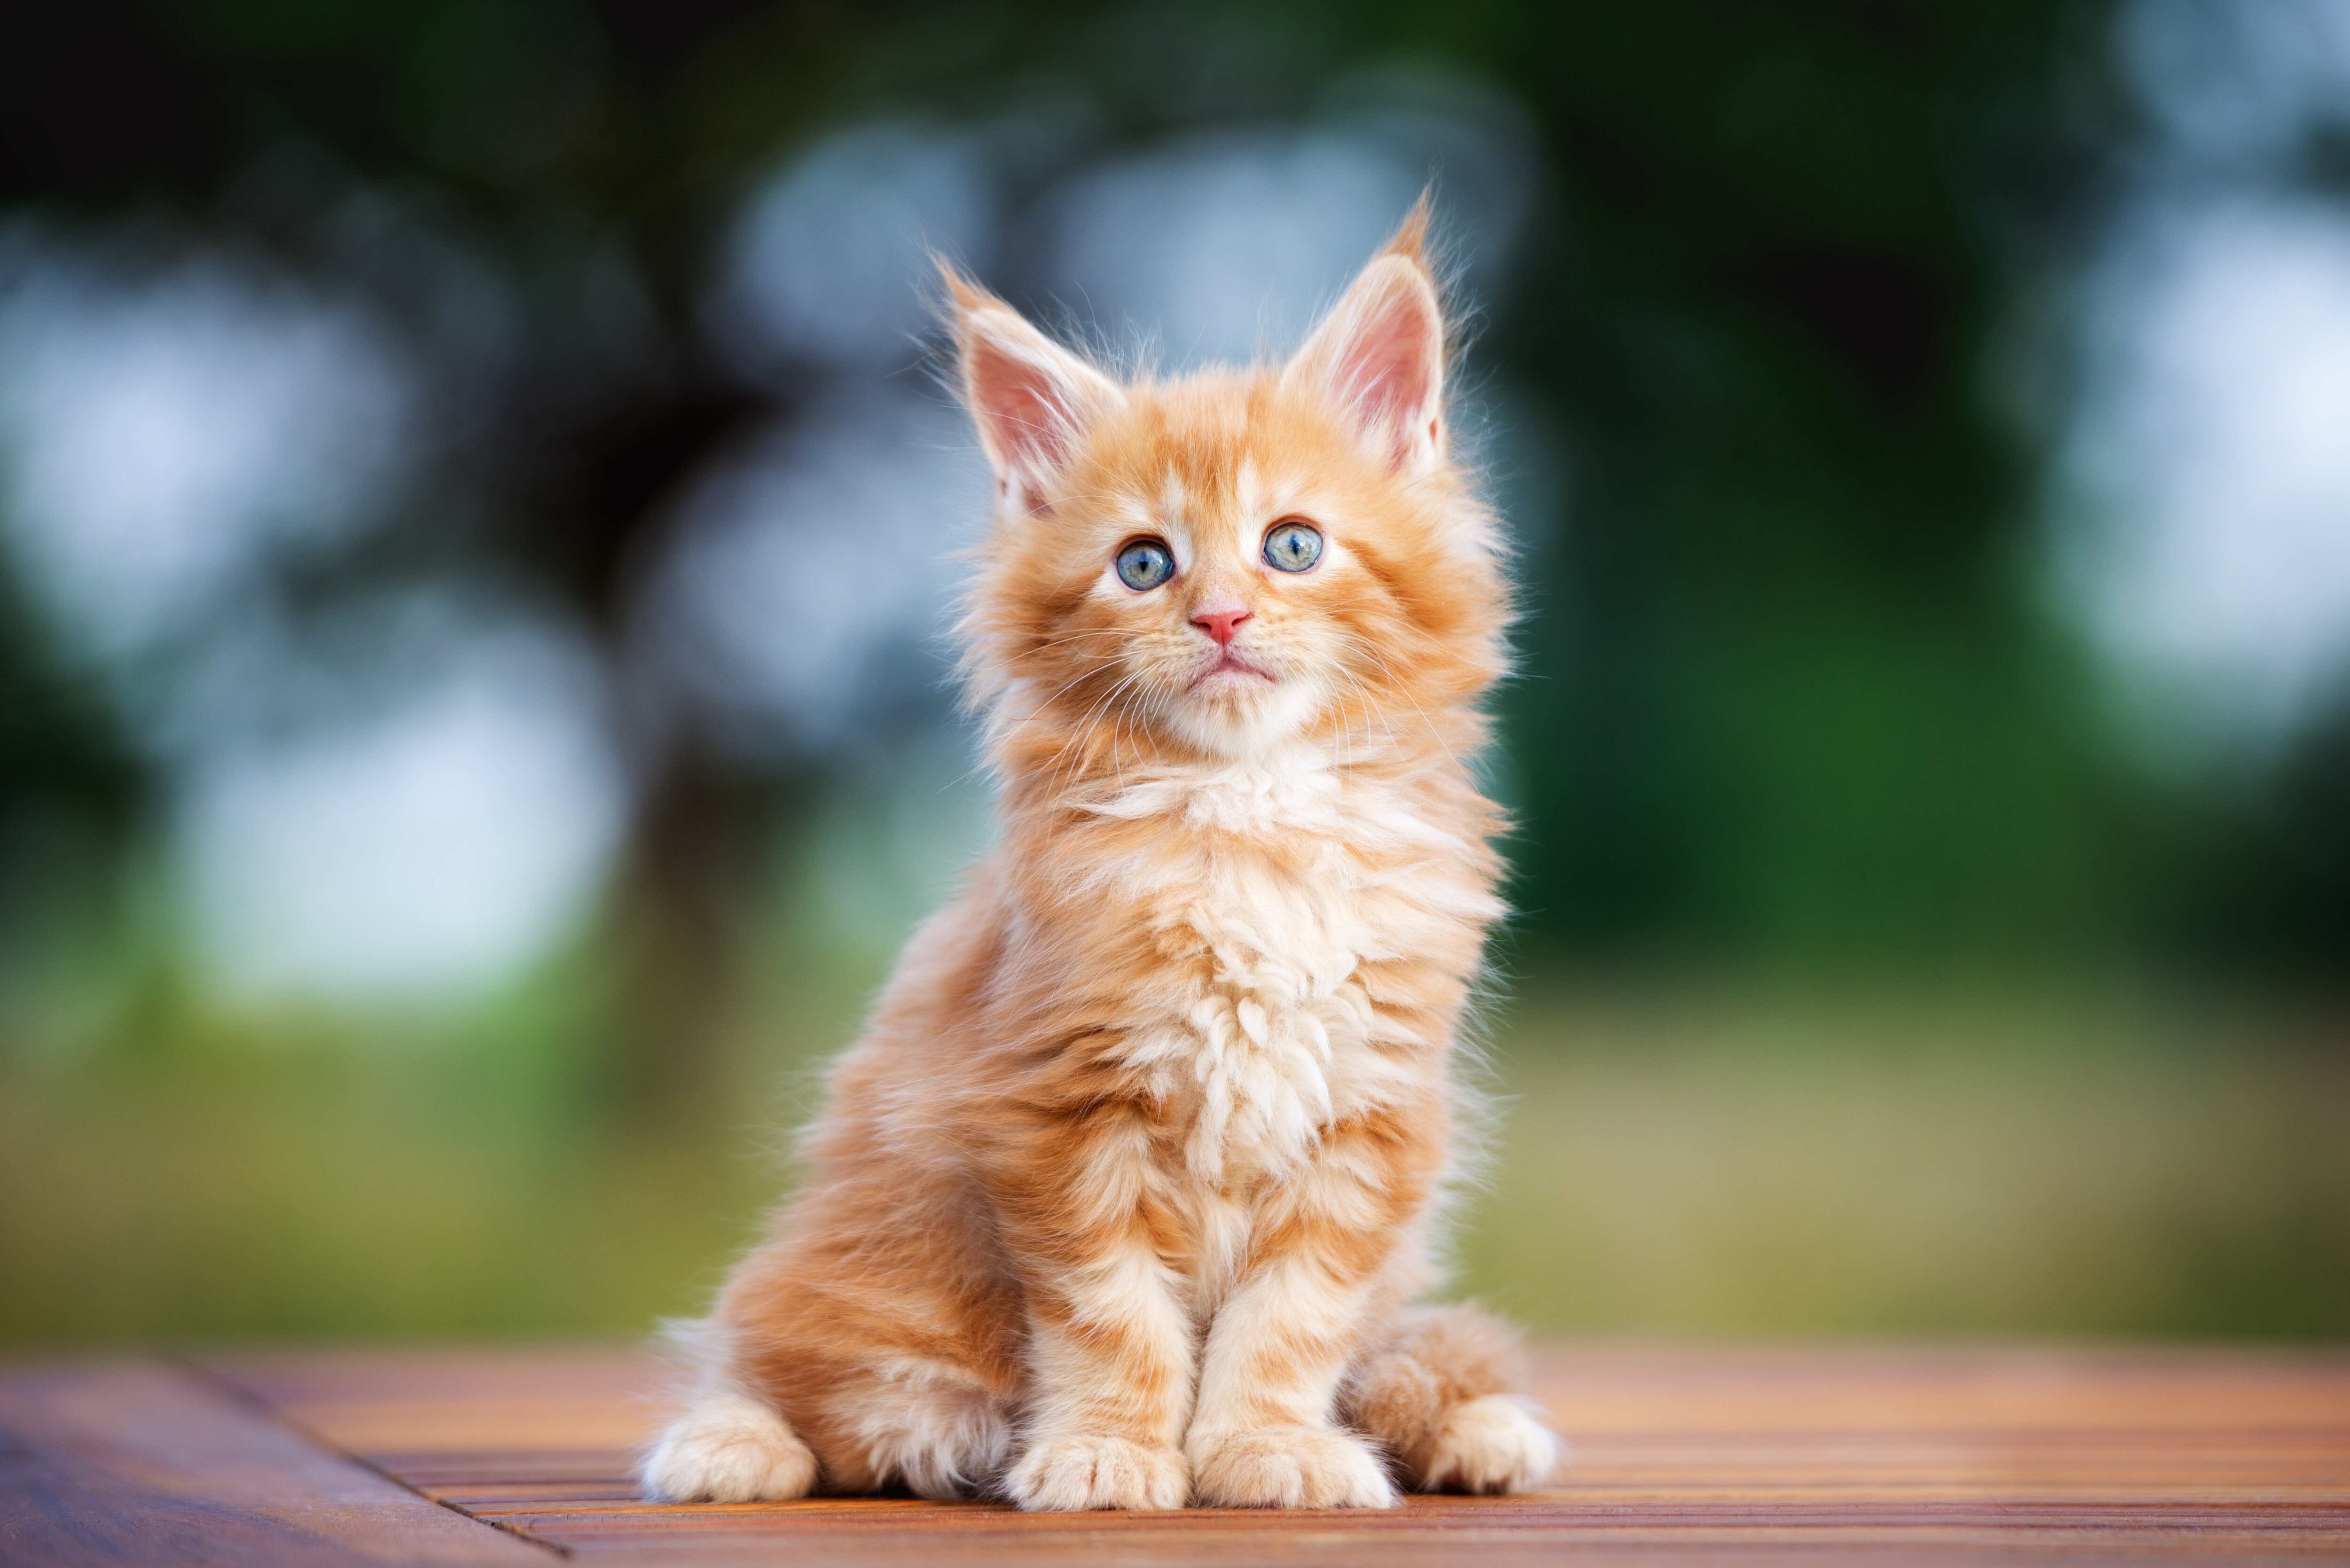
<point x="1688" y="1157"/>
<point x="1789" y="687"/>
<point x="1941" y="1158"/>
<point x="1791" y="702"/>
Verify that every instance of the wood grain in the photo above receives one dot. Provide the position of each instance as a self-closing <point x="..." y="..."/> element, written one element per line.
<point x="1890" y="1455"/>
<point x="142" y="1463"/>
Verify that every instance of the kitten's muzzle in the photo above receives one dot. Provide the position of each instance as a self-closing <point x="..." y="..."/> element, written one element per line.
<point x="1231" y="664"/>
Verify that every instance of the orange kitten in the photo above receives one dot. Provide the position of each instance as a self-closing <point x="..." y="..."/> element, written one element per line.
<point x="1125" y="1197"/>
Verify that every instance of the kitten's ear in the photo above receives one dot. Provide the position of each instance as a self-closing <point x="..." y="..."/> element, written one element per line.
<point x="1030" y="398"/>
<point x="1379" y="354"/>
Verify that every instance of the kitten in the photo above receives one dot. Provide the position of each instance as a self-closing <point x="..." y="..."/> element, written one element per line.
<point x="1124" y="1198"/>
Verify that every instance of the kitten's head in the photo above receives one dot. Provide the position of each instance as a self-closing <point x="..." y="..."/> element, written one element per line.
<point x="1232" y="561"/>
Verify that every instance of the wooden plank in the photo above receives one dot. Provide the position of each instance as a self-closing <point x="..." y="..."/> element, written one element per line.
<point x="1882" y="1454"/>
<point x="142" y="1463"/>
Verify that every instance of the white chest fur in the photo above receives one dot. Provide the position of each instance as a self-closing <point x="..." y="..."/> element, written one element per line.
<point x="1286" y="878"/>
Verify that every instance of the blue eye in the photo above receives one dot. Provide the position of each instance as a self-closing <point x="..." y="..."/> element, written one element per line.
<point x="1292" y="546"/>
<point x="1144" y="565"/>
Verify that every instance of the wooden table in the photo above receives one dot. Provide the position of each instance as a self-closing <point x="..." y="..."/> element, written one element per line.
<point x="1863" y="1454"/>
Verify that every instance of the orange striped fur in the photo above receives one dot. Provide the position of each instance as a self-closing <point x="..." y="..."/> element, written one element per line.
<point x="1124" y="1199"/>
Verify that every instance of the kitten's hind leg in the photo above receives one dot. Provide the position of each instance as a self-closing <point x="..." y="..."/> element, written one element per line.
<point x="931" y="1427"/>
<point x="1435" y="1395"/>
<point x="730" y="1446"/>
<point x="863" y="1417"/>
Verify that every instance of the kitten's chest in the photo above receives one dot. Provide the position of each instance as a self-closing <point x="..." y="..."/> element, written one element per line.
<point x="1274" y="895"/>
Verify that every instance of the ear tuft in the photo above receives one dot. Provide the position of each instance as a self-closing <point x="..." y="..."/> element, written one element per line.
<point x="1379" y="354"/>
<point x="1410" y="239"/>
<point x="1031" y="399"/>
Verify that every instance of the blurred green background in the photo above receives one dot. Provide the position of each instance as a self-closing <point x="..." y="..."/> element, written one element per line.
<point x="476" y="511"/>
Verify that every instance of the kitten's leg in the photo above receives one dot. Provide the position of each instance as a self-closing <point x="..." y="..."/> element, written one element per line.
<point x="730" y="1446"/>
<point x="873" y="1415"/>
<point x="876" y="1332"/>
<point x="923" y="1423"/>
<point x="1264" y="1434"/>
<point x="890" y="1339"/>
<point x="1436" y="1396"/>
<point x="1109" y="1349"/>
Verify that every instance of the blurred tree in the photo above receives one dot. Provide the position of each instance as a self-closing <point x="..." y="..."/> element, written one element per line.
<point x="72" y="791"/>
<point x="1792" y="684"/>
<point x="1787" y="692"/>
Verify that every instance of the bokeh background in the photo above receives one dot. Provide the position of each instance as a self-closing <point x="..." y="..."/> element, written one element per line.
<point x="477" y="505"/>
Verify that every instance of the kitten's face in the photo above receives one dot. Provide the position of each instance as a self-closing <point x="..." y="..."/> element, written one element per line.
<point x="1231" y="561"/>
<point x="1226" y="566"/>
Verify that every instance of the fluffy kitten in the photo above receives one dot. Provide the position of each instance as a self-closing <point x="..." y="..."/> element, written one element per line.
<point x="1124" y="1198"/>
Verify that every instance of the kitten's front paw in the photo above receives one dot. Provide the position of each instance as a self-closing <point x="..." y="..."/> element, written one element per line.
<point x="1065" y="1474"/>
<point x="729" y="1448"/>
<point x="1493" y="1444"/>
<point x="1289" y="1467"/>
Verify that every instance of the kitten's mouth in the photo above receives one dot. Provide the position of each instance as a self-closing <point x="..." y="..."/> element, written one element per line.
<point x="1230" y="672"/>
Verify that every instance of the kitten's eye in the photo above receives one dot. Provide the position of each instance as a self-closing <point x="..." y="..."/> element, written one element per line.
<point x="1144" y="565"/>
<point x="1292" y="546"/>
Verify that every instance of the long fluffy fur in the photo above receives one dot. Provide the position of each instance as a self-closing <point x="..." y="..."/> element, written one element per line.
<point x="1123" y="1197"/>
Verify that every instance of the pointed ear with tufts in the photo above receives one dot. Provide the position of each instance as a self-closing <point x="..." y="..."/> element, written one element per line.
<point x="1031" y="399"/>
<point x="1379" y="354"/>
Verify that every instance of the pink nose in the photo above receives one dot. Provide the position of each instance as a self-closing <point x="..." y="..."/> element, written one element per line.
<point x="1220" y="624"/>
